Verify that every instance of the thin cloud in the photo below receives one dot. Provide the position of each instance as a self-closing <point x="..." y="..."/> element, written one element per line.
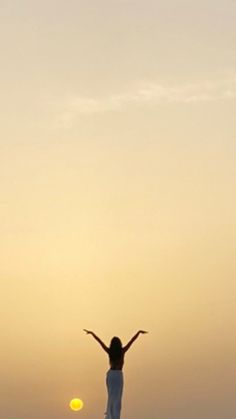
<point x="149" y="94"/>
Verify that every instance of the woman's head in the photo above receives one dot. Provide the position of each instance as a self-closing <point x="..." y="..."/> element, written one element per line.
<point x="115" y="342"/>
<point x="115" y="350"/>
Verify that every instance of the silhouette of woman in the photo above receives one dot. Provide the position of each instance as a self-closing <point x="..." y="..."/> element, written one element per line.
<point x="114" y="377"/>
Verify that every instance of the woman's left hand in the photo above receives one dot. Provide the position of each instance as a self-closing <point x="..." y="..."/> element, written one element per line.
<point x="89" y="332"/>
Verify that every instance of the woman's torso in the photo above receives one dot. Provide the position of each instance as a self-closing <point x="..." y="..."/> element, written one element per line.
<point x="117" y="363"/>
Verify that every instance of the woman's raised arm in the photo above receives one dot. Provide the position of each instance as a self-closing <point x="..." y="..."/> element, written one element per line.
<point x="126" y="347"/>
<point x="89" y="332"/>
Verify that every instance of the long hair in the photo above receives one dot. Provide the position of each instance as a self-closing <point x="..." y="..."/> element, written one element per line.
<point x="115" y="350"/>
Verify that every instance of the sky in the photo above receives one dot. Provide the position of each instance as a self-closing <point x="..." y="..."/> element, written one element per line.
<point x="117" y="204"/>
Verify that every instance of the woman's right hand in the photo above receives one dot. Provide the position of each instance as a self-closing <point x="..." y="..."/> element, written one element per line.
<point x="143" y="331"/>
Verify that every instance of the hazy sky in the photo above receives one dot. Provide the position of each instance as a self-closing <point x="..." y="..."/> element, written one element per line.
<point x="117" y="181"/>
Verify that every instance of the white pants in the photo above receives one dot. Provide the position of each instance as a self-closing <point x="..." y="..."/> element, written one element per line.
<point x="114" y="381"/>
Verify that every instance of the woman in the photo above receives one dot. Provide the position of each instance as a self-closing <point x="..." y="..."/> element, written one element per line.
<point x="114" y="378"/>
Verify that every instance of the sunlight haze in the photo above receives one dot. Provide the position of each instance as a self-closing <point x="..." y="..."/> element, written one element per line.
<point x="118" y="179"/>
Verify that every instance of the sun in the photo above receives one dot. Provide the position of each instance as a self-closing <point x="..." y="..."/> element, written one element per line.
<point x="76" y="404"/>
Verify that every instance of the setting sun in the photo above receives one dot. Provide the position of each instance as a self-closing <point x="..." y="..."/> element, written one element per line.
<point x="76" y="404"/>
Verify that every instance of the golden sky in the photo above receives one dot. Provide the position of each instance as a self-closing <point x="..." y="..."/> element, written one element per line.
<point x="117" y="180"/>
